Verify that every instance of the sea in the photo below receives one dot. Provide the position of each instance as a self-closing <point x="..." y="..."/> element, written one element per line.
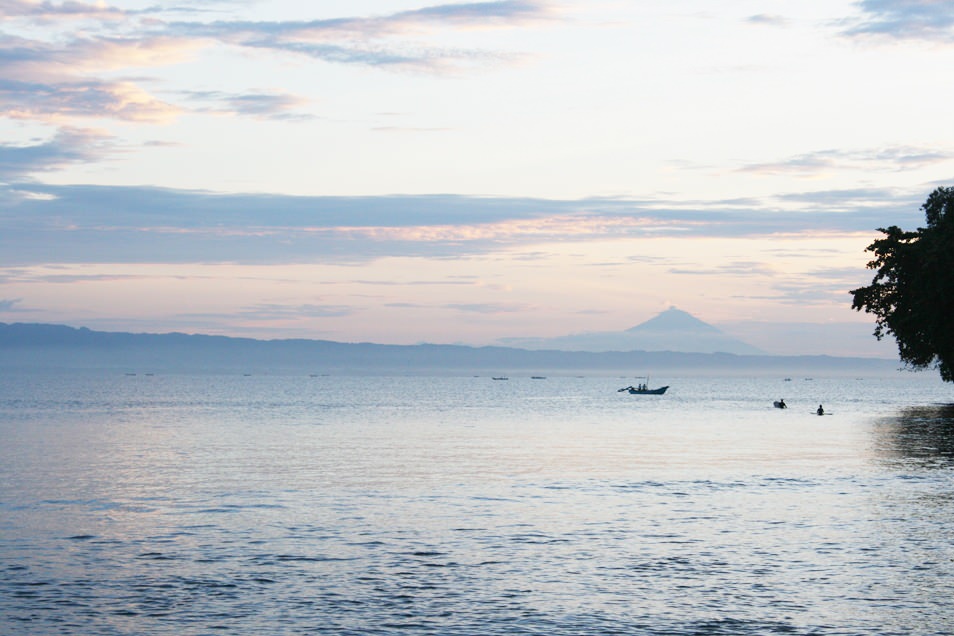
<point x="463" y="505"/>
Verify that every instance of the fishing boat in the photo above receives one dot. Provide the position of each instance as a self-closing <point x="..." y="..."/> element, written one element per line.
<point x="643" y="389"/>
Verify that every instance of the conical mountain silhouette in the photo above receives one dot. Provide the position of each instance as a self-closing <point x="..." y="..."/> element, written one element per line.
<point x="671" y="330"/>
<point x="674" y="320"/>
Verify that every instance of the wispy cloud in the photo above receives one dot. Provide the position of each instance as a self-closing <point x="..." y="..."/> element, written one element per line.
<point x="812" y="291"/>
<point x="480" y="14"/>
<point x="273" y="311"/>
<point x="489" y="308"/>
<point x="737" y="268"/>
<point x="70" y="10"/>
<point x="69" y="145"/>
<point x="65" y="101"/>
<point x="495" y="14"/>
<point x="377" y="41"/>
<point x="822" y="162"/>
<point x="88" y="64"/>
<point x="905" y="19"/>
<point x="410" y="129"/>
<point x="62" y="78"/>
<point x="260" y="105"/>
<point x="58" y="83"/>
<point x="767" y="19"/>
<point x="9" y="305"/>
<point x="465" y="281"/>
<point x="82" y="224"/>
<point x="75" y="279"/>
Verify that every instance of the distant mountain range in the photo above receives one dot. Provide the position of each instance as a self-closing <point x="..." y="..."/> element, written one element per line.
<point x="43" y="346"/>
<point x="672" y="330"/>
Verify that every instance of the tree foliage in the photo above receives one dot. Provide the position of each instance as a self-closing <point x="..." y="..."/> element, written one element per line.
<point x="912" y="293"/>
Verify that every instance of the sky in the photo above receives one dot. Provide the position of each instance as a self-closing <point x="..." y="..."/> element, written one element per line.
<point x="465" y="172"/>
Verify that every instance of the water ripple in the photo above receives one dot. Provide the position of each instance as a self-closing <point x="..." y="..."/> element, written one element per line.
<point x="291" y="506"/>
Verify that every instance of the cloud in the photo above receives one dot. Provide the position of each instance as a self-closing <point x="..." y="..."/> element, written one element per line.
<point x="738" y="268"/>
<point x="260" y="105"/>
<point x="489" y="308"/>
<point x="71" y="56"/>
<point x="373" y="41"/>
<point x="62" y="77"/>
<point x="8" y="305"/>
<point x="410" y="129"/>
<point x="271" y="311"/>
<point x="466" y="281"/>
<point x="56" y="82"/>
<point x="905" y="19"/>
<point x="67" y="100"/>
<point x="69" y="10"/>
<point x="105" y="224"/>
<point x="822" y="162"/>
<point x="767" y="19"/>
<point x="852" y="198"/>
<point x="468" y="308"/>
<point x="812" y="291"/>
<point x="71" y="279"/>
<point x="70" y="145"/>
<point x="497" y="14"/>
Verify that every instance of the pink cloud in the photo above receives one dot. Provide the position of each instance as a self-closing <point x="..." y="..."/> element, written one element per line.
<point x="48" y="11"/>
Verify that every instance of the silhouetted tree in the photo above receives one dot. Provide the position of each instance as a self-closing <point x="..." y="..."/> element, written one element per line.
<point x="912" y="294"/>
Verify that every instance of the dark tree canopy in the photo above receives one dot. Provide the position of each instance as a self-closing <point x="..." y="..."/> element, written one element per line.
<point x="912" y="293"/>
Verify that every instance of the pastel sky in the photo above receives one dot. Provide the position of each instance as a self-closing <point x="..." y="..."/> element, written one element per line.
<point x="465" y="172"/>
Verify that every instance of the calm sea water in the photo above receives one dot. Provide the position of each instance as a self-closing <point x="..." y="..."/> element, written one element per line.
<point x="175" y="504"/>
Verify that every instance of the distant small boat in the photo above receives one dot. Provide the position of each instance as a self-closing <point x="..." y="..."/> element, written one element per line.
<point x="538" y="377"/>
<point x="642" y="389"/>
<point x="501" y="378"/>
<point x="637" y="391"/>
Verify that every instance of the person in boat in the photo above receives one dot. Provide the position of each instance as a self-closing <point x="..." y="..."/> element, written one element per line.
<point x="821" y="410"/>
<point x="781" y="404"/>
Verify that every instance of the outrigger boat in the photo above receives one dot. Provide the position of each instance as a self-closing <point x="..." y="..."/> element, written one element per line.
<point x="643" y="389"/>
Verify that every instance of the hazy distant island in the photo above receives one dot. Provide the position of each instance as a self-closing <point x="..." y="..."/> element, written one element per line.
<point x="46" y="346"/>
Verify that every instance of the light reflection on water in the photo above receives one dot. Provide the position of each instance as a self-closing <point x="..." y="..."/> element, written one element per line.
<point x="921" y="435"/>
<point x="462" y="506"/>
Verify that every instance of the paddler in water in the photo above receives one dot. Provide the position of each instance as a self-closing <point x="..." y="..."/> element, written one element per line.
<point x="820" y="411"/>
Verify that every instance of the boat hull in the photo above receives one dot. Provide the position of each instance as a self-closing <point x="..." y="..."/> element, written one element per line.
<point x="658" y="391"/>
